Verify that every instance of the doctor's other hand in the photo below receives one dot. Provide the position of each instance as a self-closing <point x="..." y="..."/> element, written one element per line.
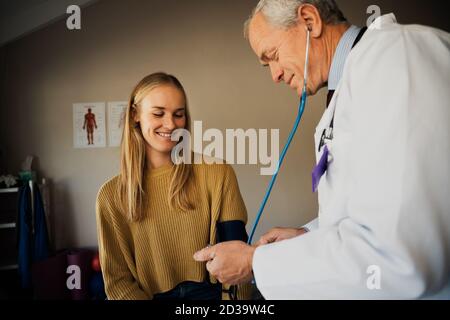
<point x="279" y="234"/>
<point x="229" y="262"/>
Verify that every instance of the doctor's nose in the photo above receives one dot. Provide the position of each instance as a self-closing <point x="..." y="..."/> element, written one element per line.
<point x="277" y="72"/>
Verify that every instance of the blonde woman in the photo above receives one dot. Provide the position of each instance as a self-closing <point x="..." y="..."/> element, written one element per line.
<point x="155" y="215"/>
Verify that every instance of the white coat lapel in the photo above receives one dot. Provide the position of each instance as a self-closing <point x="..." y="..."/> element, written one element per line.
<point x="325" y="123"/>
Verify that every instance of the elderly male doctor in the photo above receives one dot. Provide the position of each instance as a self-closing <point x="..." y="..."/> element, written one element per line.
<point x="384" y="199"/>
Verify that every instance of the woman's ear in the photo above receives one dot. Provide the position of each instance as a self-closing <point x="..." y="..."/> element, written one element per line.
<point x="134" y="114"/>
<point x="309" y="17"/>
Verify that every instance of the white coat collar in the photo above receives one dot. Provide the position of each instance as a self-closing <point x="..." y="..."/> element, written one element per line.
<point x="382" y="21"/>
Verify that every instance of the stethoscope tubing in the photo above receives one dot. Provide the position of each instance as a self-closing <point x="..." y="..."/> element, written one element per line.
<point x="301" y="109"/>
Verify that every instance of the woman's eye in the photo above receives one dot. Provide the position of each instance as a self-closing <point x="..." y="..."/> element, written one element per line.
<point x="179" y="115"/>
<point x="158" y="114"/>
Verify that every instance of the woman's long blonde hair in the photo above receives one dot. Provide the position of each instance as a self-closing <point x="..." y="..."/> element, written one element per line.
<point x="133" y="156"/>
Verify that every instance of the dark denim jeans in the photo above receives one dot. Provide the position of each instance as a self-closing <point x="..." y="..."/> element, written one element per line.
<point x="190" y="290"/>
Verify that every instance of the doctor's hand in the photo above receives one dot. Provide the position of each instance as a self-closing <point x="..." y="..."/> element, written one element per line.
<point x="229" y="262"/>
<point x="279" y="234"/>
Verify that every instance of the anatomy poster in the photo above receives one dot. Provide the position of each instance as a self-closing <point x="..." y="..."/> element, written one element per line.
<point x="89" y="127"/>
<point x="116" y="119"/>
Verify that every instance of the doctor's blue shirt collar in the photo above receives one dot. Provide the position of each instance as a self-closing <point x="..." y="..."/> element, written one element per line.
<point x="340" y="56"/>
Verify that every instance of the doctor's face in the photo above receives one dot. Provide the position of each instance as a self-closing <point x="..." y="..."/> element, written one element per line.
<point x="283" y="51"/>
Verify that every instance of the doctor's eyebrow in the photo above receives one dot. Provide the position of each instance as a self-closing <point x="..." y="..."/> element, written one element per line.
<point x="263" y="56"/>
<point x="263" y="59"/>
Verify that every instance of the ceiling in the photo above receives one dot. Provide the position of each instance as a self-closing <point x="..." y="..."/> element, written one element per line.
<point x="20" y="17"/>
<point x="12" y="7"/>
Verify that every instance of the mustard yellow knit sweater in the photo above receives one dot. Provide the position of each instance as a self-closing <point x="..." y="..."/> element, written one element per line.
<point x="140" y="259"/>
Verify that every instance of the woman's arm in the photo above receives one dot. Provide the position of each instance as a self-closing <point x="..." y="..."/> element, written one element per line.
<point x="232" y="221"/>
<point x="120" y="283"/>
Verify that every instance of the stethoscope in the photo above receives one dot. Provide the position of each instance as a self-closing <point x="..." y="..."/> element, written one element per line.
<point x="301" y="109"/>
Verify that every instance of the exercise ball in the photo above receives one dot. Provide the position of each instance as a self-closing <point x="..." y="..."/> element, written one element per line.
<point x="96" y="263"/>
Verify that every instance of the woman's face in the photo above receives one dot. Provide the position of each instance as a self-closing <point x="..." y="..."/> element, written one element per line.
<point x="161" y="111"/>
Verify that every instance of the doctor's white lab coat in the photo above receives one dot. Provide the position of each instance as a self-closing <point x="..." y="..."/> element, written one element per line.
<point x="384" y="203"/>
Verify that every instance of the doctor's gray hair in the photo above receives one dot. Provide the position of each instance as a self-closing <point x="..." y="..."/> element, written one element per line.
<point x="283" y="13"/>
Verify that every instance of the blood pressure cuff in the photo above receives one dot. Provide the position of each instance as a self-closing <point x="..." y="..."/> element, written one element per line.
<point x="231" y="230"/>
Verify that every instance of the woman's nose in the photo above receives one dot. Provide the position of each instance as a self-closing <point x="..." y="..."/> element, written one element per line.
<point x="169" y="123"/>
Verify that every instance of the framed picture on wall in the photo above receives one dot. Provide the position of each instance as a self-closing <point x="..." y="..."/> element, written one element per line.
<point x="116" y="118"/>
<point x="89" y="127"/>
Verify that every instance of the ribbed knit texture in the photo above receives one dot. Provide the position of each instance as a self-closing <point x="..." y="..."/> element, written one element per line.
<point x="140" y="259"/>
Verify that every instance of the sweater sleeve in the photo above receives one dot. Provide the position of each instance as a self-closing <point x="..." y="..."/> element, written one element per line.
<point x="120" y="282"/>
<point x="232" y="205"/>
<point x="233" y="209"/>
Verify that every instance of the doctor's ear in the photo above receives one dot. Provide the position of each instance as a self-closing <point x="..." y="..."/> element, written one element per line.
<point x="309" y="18"/>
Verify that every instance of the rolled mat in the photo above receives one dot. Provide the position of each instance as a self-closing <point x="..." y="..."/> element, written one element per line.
<point x="82" y="259"/>
<point x="49" y="278"/>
